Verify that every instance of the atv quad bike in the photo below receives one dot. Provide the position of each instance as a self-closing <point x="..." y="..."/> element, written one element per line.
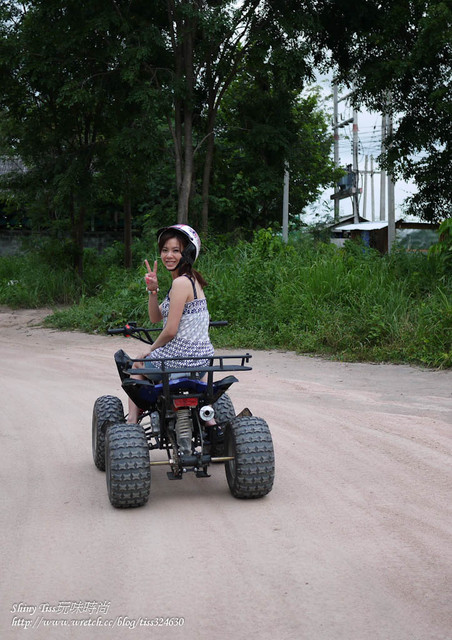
<point x="175" y="409"/>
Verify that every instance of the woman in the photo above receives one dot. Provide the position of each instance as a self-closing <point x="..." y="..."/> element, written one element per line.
<point x="184" y="311"/>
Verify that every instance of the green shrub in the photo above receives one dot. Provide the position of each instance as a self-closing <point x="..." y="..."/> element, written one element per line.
<point x="350" y="303"/>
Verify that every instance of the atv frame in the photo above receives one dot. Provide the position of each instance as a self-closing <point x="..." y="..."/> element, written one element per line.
<point x="176" y="407"/>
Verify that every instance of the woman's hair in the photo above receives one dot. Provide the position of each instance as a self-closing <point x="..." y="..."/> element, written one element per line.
<point x="188" y="254"/>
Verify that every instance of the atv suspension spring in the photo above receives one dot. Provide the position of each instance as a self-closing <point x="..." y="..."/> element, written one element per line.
<point x="184" y="430"/>
<point x="148" y="433"/>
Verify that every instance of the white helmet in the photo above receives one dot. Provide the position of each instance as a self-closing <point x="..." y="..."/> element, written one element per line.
<point x="187" y="231"/>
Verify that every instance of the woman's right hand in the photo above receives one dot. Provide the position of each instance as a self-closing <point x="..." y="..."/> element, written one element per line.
<point x="151" y="277"/>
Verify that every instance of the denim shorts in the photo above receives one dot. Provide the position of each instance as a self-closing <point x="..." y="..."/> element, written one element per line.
<point x="197" y="375"/>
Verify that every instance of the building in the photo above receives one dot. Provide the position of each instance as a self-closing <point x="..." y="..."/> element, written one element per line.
<point x="373" y="234"/>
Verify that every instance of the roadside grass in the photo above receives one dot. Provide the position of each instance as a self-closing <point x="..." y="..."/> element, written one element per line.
<point x="351" y="304"/>
<point x="26" y="282"/>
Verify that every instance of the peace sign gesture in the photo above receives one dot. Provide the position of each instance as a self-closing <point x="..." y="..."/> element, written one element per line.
<point x="151" y="277"/>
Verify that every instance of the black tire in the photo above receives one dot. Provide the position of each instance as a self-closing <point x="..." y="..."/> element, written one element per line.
<point x="252" y="472"/>
<point x="224" y="409"/>
<point x="127" y="466"/>
<point x="107" y="410"/>
<point x="224" y="413"/>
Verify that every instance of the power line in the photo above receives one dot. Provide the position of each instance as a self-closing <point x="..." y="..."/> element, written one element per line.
<point x="362" y="144"/>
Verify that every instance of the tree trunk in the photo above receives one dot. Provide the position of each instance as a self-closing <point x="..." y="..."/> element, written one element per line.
<point x="184" y="192"/>
<point x="187" y="174"/>
<point x="127" y="232"/>
<point x="207" y="173"/>
<point x="176" y="132"/>
<point x="220" y="68"/>
<point x="176" y="127"/>
<point x="78" y="235"/>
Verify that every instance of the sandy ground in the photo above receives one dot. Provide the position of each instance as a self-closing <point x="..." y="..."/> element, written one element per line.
<point x="353" y="543"/>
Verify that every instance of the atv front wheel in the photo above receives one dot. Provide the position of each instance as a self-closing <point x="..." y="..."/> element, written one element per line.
<point x="224" y="413"/>
<point x="251" y="472"/>
<point x="224" y="409"/>
<point x="107" y="410"/>
<point x="128" y="468"/>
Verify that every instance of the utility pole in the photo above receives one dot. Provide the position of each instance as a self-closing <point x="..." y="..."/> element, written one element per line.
<point x="336" y="145"/>
<point x="366" y="160"/>
<point x="391" y="198"/>
<point x="382" y="171"/>
<point x="338" y="194"/>
<point x="372" y="193"/>
<point x="355" y="167"/>
<point x="366" y="172"/>
<point x="285" y="226"/>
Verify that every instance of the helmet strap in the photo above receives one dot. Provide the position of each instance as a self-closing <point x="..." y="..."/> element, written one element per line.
<point x="177" y="265"/>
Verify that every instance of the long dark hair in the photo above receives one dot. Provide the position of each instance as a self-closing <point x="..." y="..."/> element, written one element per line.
<point x="188" y="255"/>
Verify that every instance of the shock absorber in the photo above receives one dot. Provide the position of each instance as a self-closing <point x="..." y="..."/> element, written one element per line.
<point x="152" y="428"/>
<point x="184" y="431"/>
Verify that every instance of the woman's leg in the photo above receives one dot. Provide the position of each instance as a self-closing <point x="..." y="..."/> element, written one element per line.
<point x="134" y="410"/>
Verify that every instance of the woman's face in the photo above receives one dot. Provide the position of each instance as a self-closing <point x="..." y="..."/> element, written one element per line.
<point x="171" y="253"/>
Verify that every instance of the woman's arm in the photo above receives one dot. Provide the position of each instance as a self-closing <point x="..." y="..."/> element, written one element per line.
<point x="180" y="292"/>
<point x="152" y="285"/>
<point x="154" y="311"/>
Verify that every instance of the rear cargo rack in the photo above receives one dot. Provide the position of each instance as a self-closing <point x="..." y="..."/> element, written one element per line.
<point x="216" y="364"/>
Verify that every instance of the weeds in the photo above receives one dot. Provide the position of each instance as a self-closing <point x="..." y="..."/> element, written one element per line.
<point x="351" y="303"/>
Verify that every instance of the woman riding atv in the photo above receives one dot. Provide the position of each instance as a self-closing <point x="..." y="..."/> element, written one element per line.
<point x="184" y="311"/>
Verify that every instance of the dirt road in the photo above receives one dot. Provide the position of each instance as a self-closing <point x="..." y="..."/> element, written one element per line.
<point x="353" y="543"/>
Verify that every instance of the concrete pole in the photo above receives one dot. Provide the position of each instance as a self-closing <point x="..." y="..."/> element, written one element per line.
<point x="285" y="225"/>
<point x="336" y="145"/>
<point x="372" y="191"/>
<point x="355" y="167"/>
<point x="391" y="199"/>
<point x="366" y="159"/>
<point x="383" y="172"/>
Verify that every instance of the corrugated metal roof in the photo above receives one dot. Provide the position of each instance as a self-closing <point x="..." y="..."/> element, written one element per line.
<point x="362" y="226"/>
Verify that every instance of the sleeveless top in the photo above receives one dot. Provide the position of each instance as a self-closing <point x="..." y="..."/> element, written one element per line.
<point x="192" y="338"/>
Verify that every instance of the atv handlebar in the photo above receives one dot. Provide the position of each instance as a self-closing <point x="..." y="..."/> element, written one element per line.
<point x="142" y="333"/>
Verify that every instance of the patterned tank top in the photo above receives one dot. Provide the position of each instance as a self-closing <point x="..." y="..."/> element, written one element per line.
<point x="192" y="338"/>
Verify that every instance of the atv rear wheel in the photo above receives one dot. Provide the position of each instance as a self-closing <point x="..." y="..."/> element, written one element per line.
<point x="251" y="473"/>
<point x="128" y="468"/>
<point x="107" y="410"/>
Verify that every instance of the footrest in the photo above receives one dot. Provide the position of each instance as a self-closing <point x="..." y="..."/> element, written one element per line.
<point x="172" y="476"/>
<point x="202" y="473"/>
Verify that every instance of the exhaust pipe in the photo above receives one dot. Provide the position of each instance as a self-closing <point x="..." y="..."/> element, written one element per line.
<point x="206" y="413"/>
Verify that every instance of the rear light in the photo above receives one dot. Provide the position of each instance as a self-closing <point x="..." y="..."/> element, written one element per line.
<point x="185" y="402"/>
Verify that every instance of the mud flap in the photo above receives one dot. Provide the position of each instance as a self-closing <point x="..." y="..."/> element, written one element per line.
<point x="245" y="412"/>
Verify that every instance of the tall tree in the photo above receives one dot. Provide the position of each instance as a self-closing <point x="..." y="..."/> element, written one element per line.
<point x="262" y="126"/>
<point x="204" y="45"/>
<point x="53" y="107"/>
<point x="68" y="109"/>
<point x="79" y="73"/>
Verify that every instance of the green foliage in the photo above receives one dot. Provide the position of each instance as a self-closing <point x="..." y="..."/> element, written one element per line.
<point x="442" y="251"/>
<point x="29" y="281"/>
<point x="101" y="103"/>
<point x="103" y="107"/>
<point x="350" y="303"/>
<point x="42" y="274"/>
<point x="262" y="124"/>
